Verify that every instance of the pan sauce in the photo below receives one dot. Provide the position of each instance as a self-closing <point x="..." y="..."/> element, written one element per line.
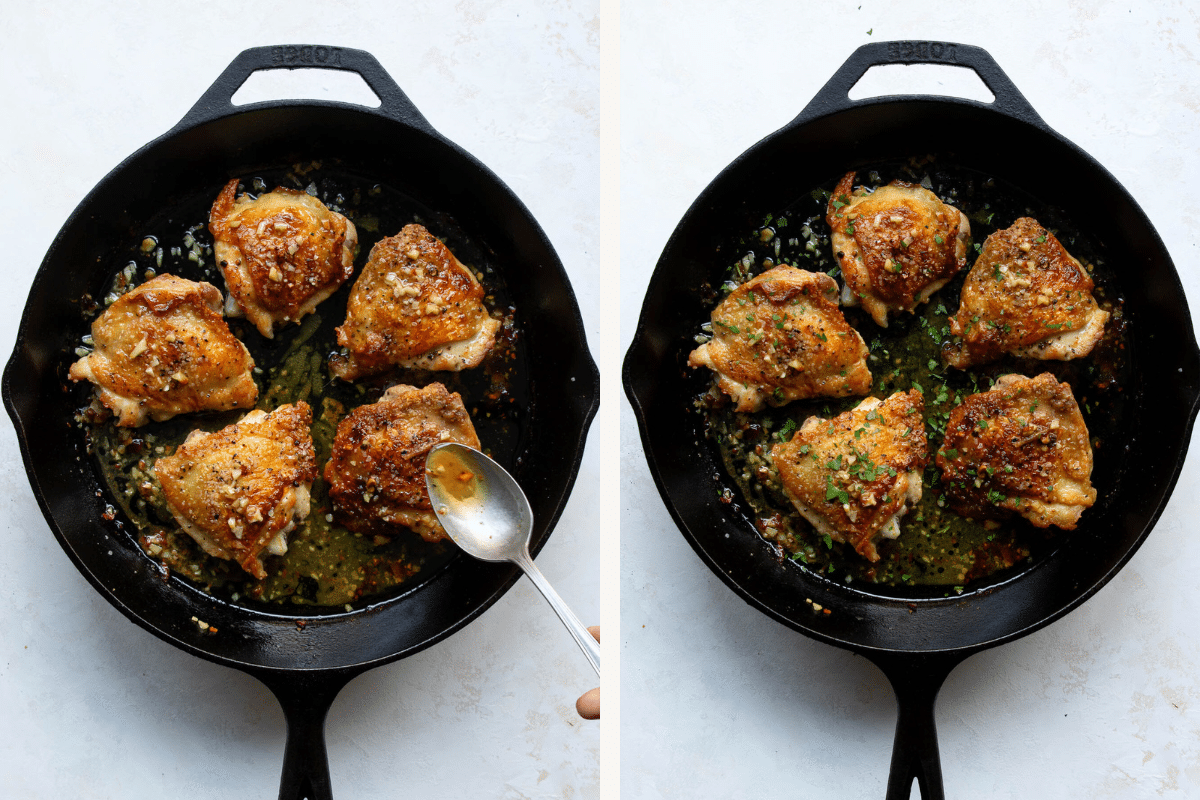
<point x="937" y="547"/>
<point x="325" y="565"/>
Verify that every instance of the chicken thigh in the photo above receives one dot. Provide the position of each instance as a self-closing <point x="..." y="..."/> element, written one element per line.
<point x="1023" y="447"/>
<point x="854" y="476"/>
<point x="781" y="337"/>
<point x="376" y="474"/>
<point x="896" y="246"/>
<point x="1028" y="296"/>
<point x="162" y="349"/>
<point x="281" y="254"/>
<point x="414" y="305"/>
<point x="239" y="491"/>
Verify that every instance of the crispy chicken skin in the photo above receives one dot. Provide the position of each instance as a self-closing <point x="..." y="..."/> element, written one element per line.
<point x="896" y="246"/>
<point x="781" y="337"/>
<point x="281" y="254"/>
<point x="241" y="490"/>
<point x="1028" y="296"/>
<point x="855" y="475"/>
<point x="1023" y="447"/>
<point x="414" y="305"/>
<point x="162" y="349"/>
<point x="376" y="474"/>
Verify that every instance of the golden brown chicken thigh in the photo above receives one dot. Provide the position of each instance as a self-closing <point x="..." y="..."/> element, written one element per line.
<point x="781" y="337"/>
<point x="239" y="491"/>
<point x="896" y="246"/>
<point x="1028" y="296"/>
<point x="1023" y="447"/>
<point x="281" y="254"/>
<point x="162" y="349"/>
<point x="376" y="474"/>
<point x="854" y="476"/>
<point x="414" y="305"/>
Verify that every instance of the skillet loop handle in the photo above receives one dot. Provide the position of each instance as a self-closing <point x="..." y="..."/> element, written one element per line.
<point x="916" y="680"/>
<point x="306" y="700"/>
<point x="835" y="94"/>
<point x="216" y="102"/>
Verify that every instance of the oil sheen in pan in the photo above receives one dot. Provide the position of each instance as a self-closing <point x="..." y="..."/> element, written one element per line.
<point x="325" y="566"/>
<point x="938" y="551"/>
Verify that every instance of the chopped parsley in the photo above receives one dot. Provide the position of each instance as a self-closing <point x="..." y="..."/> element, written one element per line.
<point x="832" y="492"/>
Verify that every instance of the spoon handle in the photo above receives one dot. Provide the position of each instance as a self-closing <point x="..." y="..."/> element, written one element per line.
<point x="589" y="646"/>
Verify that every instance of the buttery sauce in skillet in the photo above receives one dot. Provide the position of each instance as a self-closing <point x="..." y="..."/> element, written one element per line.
<point x="325" y="565"/>
<point x="937" y="547"/>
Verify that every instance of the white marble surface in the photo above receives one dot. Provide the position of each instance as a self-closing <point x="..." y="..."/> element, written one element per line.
<point x="93" y="706"/>
<point x="718" y="700"/>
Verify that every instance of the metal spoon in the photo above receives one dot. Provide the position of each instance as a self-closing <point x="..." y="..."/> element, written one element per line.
<point x="486" y="514"/>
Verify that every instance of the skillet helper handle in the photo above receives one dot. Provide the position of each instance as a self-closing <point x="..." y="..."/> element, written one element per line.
<point x="835" y="94"/>
<point x="217" y="101"/>
<point x="306" y="700"/>
<point x="916" y="680"/>
<point x="588" y="644"/>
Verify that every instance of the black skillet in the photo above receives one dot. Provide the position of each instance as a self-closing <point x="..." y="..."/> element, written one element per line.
<point x="917" y="641"/>
<point x="305" y="658"/>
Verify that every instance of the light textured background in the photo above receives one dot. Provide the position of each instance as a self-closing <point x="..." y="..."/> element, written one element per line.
<point x="92" y="706"/>
<point x="718" y="700"/>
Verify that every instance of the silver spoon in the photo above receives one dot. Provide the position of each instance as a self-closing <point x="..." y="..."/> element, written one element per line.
<point x="486" y="514"/>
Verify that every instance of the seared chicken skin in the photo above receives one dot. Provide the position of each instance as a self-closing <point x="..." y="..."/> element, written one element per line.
<point x="414" y="305"/>
<point x="1028" y="296"/>
<point x="781" y="337"/>
<point x="854" y="476"/>
<point x="162" y="349"/>
<point x="1023" y="447"/>
<point x="376" y="474"/>
<point x="896" y="246"/>
<point x="281" y="254"/>
<point x="239" y="492"/>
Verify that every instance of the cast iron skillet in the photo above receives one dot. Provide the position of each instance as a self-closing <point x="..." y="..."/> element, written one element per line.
<point x="304" y="665"/>
<point x="916" y="642"/>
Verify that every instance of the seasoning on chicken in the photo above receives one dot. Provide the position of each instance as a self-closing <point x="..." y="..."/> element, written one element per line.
<point x="1025" y="295"/>
<point x="414" y="305"/>
<point x="1023" y="447"/>
<point x="162" y="349"/>
<point x="781" y="337"/>
<point x="376" y="473"/>
<point x="854" y="476"/>
<point x="896" y="246"/>
<point x="281" y="254"/>
<point x="241" y="490"/>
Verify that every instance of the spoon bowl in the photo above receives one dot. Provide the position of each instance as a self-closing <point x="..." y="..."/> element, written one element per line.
<point x="486" y="514"/>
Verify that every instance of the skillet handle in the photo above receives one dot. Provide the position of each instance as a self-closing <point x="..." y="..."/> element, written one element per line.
<point x="216" y="102"/>
<point x="916" y="680"/>
<point x="835" y="94"/>
<point x="306" y="699"/>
